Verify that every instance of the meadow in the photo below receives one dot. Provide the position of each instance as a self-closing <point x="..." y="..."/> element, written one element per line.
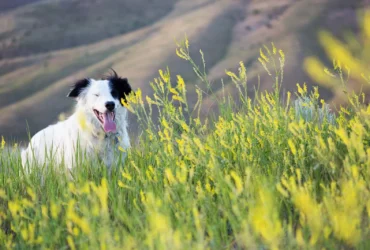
<point x="279" y="171"/>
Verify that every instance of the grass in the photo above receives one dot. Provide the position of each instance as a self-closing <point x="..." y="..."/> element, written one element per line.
<point x="268" y="173"/>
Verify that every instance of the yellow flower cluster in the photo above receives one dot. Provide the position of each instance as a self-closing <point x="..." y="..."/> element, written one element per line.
<point x="350" y="60"/>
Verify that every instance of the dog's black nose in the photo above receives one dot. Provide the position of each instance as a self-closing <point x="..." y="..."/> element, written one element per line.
<point x="110" y="106"/>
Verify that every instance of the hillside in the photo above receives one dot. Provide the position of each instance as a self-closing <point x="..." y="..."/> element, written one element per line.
<point x="8" y="5"/>
<point x="53" y="25"/>
<point x="37" y="69"/>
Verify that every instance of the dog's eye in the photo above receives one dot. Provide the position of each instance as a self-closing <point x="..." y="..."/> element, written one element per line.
<point x="114" y="93"/>
<point x="97" y="95"/>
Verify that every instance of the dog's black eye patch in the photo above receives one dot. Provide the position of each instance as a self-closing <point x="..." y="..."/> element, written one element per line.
<point x="114" y="93"/>
<point x="78" y="88"/>
<point x="120" y="88"/>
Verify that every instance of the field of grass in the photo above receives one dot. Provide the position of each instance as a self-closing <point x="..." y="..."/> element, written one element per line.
<point x="267" y="173"/>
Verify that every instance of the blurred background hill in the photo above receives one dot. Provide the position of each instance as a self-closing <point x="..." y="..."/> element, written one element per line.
<point x="46" y="45"/>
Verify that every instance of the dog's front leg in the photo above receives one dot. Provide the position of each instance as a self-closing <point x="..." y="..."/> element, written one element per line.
<point x="119" y="154"/>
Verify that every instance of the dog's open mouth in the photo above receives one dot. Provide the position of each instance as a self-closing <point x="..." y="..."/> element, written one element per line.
<point x="107" y="120"/>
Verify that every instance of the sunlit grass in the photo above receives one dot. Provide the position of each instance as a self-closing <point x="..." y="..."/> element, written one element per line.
<point x="266" y="173"/>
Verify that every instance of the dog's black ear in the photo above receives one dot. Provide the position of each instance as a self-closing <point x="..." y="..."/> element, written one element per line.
<point x="78" y="88"/>
<point x="121" y="85"/>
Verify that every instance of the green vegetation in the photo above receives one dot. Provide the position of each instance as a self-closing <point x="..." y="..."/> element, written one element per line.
<point x="268" y="173"/>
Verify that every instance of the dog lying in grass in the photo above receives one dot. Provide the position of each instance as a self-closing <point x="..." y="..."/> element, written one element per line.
<point x="97" y="127"/>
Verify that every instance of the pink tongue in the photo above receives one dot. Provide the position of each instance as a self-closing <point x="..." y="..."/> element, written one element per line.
<point x="108" y="122"/>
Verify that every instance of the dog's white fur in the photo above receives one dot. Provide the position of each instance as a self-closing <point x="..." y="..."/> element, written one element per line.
<point x="82" y="130"/>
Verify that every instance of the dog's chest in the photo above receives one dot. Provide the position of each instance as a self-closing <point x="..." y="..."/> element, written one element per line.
<point x="105" y="148"/>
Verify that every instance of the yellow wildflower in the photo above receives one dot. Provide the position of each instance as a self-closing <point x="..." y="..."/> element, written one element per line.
<point x="70" y="242"/>
<point x="265" y="219"/>
<point x="2" y="142"/>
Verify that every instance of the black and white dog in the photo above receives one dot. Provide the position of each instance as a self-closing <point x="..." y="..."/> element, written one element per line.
<point x="97" y="127"/>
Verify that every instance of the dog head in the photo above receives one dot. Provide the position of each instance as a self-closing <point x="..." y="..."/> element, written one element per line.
<point x="101" y="99"/>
